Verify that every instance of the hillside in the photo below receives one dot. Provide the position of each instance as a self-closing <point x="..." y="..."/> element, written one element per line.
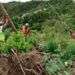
<point x="44" y="47"/>
<point x="17" y="8"/>
<point x="39" y="13"/>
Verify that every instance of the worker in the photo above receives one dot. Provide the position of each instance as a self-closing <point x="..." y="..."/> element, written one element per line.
<point x="25" y="29"/>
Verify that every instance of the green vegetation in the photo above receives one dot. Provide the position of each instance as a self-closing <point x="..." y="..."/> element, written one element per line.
<point x="50" y="22"/>
<point x="19" y="42"/>
<point x="2" y="37"/>
<point x="56" y="67"/>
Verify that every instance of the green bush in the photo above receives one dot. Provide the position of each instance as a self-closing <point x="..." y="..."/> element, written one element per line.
<point x="54" y="66"/>
<point x="70" y="51"/>
<point x="18" y="21"/>
<point x="51" y="46"/>
<point x="18" y="41"/>
<point x="7" y="33"/>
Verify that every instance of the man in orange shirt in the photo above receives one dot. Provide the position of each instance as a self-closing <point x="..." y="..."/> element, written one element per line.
<point x="25" y="29"/>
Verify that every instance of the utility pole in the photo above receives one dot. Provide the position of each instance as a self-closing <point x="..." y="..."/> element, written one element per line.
<point x="5" y="12"/>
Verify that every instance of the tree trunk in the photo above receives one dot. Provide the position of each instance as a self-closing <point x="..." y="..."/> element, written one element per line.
<point x="5" y="12"/>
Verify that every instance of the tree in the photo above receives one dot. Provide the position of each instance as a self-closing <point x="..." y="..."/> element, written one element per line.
<point x="5" y="12"/>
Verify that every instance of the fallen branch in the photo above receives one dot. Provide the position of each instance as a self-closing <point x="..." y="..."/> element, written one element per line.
<point x="15" y="54"/>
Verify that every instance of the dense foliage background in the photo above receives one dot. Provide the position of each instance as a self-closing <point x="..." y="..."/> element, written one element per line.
<point x="50" y="23"/>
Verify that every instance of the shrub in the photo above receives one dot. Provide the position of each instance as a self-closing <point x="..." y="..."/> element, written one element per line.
<point x="54" y="66"/>
<point x="18" y="41"/>
<point x="18" y="21"/>
<point x="51" y="46"/>
<point x="7" y="33"/>
<point x="70" y="51"/>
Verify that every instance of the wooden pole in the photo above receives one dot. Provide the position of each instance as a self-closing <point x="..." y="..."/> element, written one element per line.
<point x="5" y="12"/>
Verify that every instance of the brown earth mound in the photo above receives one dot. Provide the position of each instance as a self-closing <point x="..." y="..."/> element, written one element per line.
<point x="30" y="64"/>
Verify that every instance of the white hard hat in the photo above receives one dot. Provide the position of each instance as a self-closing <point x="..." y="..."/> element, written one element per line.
<point x="27" y="24"/>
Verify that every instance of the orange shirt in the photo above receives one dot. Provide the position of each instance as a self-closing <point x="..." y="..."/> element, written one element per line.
<point x="25" y="30"/>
